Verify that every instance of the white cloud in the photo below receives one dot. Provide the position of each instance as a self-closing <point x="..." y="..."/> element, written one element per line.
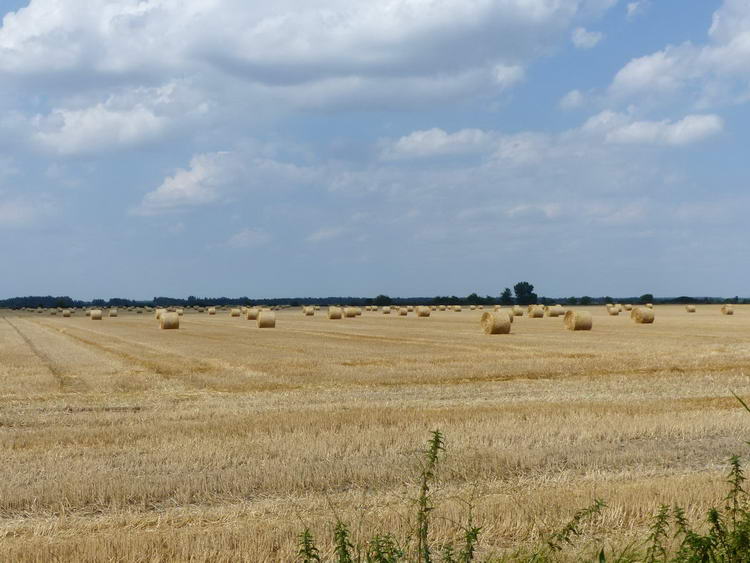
<point x="716" y="72"/>
<point x="436" y="142"/>
<point x="583" y="39"/>
<point x="572" y="100"/>
<point x="18" y="212"/>
<point x="197" y="185"/>
<point x="326" y="234"/>
<point x="690" y="129"/>
<point x="249" y="238"/>
<point x="638" y="8"/>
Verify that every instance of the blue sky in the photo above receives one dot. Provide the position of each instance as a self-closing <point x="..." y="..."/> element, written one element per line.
<point x="346" y="147"/>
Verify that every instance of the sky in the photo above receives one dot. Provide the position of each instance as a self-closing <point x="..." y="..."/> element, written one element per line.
<point x="350" y="147"/>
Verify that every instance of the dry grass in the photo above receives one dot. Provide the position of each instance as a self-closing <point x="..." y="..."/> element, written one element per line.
<point x="220" y="441"/>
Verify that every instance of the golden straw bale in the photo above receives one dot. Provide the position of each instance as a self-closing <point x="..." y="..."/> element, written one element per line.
<point x="53" y="313"/>
<point x="423" y="311"/>
<point x="180" y="312"/>
<point x="335" y="313"/>
<point x="403" y="311"/>
<point x="350" y="312"/>
<point x="252" y="314"/>
<point x="66" y="313"/>
<point x="627" y="307"/>
<point x="690" y="308"/>
<point x="308" y="311"/>
<point x="386" y="310"/>
<point x="536" y="313"/>
<point x="234" y="313"/>
<point x="169" y="321"/>
<point x="457" y="308"/>
<point x="267" y="319"/>
<point x="158" y="313"/>
<point x="555" y="311"/>
<point x="113" y="312"/>
<point x="212" y="310"/>
<point x="472" y="307"/>
<point x="650" y="305"/>
<point x="727" y="310"/>
<point x="410" y="308"/>
<point x="578" y="320"/>
<point x="496" y="322"/>
<point x="96" y="314"/>
<point x="613" y="311"/>
<point x="642" y="315"/>
<point x="517" y="311"/>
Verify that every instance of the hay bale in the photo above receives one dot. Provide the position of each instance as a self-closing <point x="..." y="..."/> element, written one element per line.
<point x="496" y="322"/>
<point x="555" y="311"/>
<point x="423" y="311"/>
<point x="613" y="311"/>
<point x="252" y="314"/>
<point x="212" y="310"/>
<point x="358" y="311"/>
<point x="536" y="313"/>
<point x="410" y="308"/>
<point x="472" y="307"/>
<point x="159" y="313"/>
<point x="642" y="315"/>
<point x="267" y="319"/>
<point x="457" y="308"/>
<point x="113" y="312"/>
<point x="350" y="312"/>
<point x="517" y="311"/>
<point x="335" y="313"/>
<point x="690" y="308"/>
<point x="578" y="320"/>
<point x="441" y="307"/>
<point x="66" y="313"/>
<point x="88" y="313"/>
<point x="627" y="307"/>
<point x="650" y="305"/>
<point x="139" y="311"/>
<point x="497" y="308"/>
<point x="96" y="314"/>
<point x="180" y="312"/>
<point x="727" y="310"/>
<point x="386" y="310"/>
<point x="234" y="313"/>
<point x="53" y="313"/>
<point x="403" y="311"/>
<point x="308" y="311"/>
<point x="169" y="321"/>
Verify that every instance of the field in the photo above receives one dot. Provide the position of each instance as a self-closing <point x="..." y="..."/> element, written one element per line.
<point x="221" y="441"/>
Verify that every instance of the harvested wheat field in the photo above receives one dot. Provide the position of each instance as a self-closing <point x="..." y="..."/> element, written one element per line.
<point x="221" y="442"/>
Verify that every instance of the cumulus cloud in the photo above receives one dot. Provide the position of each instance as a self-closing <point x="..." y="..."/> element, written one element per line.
<point x="584" y="39"/>
<point x="713" y="73"/>
<point x="572" y="100"/>
<point x="690" y="129"/>
<point x="436" y="142"/>
<point x="636" y="9"/>
<point x="249" y="238"/>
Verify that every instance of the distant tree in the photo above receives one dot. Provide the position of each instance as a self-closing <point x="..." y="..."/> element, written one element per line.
<point x="474" y="299"/>
<point x="545" y="301"/>
<point x="647" y="298"/>
<point x="586" y="300"/>
<point x="506" y="297"/>
<point x="381" y="300"/>
<point x="608" y="299"/>
<point x="525" y="293"/>
<point x="572" y="301"/>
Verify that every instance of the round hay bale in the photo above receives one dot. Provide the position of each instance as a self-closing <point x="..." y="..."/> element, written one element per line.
<point x="180" y="312"/>
<point x="480" y="307"/>
<point x="335" y="313"/>
<point x="66" y="313"/>
<point x="169" y="321"/>
<point x="88" y="313"/>
<point x="555" y="311"/>
<point x="642" y="315"/>
<point x="113" y="312"/>
<point x="212" y="310"/>
<point x="472" y="307"/>
<point x="317" y="307"/>
<point x="627" y="307"/>
<point x="457" y="308"/>
<point x="386" y="310"/>
<point x="536" y="313"/>
<point x="423" y="311"/>
<point x="497" y="307"/>
<point x="690" y="308"/>
<point x="96" y="314"/>
<point x="350" y="312"/>
<point x="158" y="313"/>
<point x="650" y="305"/>
<point x="403" y="311"/>
<point x="578" y="320"/>
<point x="441" y="307"/>
<point x="267" y="319"/>
<point x="252" y="314"/>
<point x="517" y="311"/>
<point x="358" y="310"/>
<point x="234" y="313"/>
<point x="139" y="311"/>
<point x="410" y="308"/>
<point x="613" y="311"/>
<point x="727" y="310"/>
<point x="308" y="311"/>
<point x="618" y="307"/>
<point x="53" y="313"/>
<point x="495" y="322"/>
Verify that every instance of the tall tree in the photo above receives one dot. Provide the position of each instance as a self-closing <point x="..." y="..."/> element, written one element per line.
<point x="525" y="293"/>
<point x="506" y="297"/>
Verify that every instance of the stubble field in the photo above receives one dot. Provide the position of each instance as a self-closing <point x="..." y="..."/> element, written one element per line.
<point x="221" y="442"/>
